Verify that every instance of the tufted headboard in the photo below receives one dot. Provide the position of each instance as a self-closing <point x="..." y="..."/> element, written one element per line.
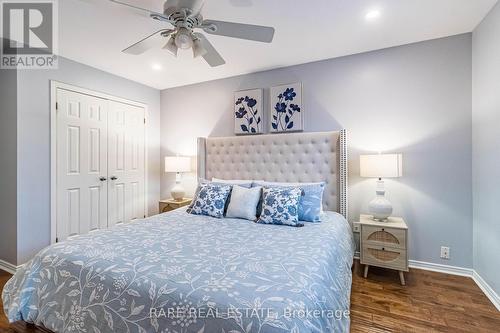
<point x="291" y="157"/>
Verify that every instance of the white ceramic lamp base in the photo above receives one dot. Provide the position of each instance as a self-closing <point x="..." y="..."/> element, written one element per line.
<point x="380" y="207"/>
<point x="177" y="192"/>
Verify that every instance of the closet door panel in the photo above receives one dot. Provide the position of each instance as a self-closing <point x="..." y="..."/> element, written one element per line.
<point x="82" y="130"/>
<point x="126" y="163"/>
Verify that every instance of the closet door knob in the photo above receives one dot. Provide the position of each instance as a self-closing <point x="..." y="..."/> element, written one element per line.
<point x="103" y="179"/>
<point x="114" y="178"/>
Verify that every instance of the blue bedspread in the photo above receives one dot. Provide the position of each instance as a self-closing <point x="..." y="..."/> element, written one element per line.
<point x="177" y="272"/>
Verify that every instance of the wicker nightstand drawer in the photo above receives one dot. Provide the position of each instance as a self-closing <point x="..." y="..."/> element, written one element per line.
<point x="386" y="257"/>
<point x="384" y="244"/>
<point x="384" y="236"/>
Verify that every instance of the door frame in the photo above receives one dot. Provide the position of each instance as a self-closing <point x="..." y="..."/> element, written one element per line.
<point x="54" y="85"/>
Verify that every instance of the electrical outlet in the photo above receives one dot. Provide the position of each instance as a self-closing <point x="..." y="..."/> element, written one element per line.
<point x="356" y="227"/>
<point x="445" y="252"/>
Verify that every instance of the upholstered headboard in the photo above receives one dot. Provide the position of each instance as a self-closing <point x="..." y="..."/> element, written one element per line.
<point x="291" y="157"/>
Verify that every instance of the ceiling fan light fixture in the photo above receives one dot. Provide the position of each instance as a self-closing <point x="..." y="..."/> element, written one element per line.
<point x="198" y="49"/>
<point x="171" y="46"/>
<point x="185" y="17"/>
<point x="183" y="39"/>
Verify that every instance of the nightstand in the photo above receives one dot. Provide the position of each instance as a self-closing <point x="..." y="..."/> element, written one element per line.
<point x="171" y="204"/>
<point x="384" y="244"/>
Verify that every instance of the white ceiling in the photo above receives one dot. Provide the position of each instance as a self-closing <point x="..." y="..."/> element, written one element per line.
<point x="94" y="32"/>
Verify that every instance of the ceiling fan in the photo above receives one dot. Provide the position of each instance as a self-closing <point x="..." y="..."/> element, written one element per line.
<point x="185" y="17"/>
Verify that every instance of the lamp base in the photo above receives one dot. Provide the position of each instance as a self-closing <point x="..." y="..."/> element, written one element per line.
<point x="380" y="207"/>
<point x="177" y="192"/>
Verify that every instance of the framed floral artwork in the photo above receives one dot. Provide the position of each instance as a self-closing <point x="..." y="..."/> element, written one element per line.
<point x="286" y="108"/>
<point x="248" y="112"/>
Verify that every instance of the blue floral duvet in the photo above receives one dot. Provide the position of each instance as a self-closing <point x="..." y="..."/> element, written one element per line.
<point x="178" y="272"/>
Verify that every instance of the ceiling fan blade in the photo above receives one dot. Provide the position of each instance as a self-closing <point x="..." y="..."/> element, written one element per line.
<point x="148" y="42"/>
<point x="241" y="3"/>
<point x="238" y="30"/>
<point x="151" y="13"/>
<point x="212" y="57"/>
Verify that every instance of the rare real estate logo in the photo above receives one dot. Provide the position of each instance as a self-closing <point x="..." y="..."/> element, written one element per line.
<point x="29" y="34"/>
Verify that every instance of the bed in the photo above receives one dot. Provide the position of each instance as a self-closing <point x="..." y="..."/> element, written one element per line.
<point x="178" y="272"/>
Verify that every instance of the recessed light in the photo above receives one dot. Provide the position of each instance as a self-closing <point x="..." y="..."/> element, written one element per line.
<point x="372" y="15"/>
<point x="156" y="67"/>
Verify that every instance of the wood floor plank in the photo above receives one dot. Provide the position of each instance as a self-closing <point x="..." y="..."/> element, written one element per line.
<point x="430" y="302"/>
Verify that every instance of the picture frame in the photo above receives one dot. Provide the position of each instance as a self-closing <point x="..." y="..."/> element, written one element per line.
<point x="286" y="113"/>
<point x="248" y="112"/>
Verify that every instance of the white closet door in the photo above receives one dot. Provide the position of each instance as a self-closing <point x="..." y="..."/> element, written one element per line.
<point x="82" y="192"/>
<point x="126" y="163"/>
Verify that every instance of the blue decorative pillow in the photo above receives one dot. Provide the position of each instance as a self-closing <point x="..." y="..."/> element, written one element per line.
<point x="211" y="200"/>
<point x="203" y="182"/>
<point x="311" y="203"/>
<point x="281" y="206"/>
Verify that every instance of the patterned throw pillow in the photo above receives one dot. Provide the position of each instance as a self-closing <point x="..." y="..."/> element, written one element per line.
<point x="203" y="182"/>
<point x="281" y="206"/>
<point x="211" y="200"/>
<point x="311" y="203"/>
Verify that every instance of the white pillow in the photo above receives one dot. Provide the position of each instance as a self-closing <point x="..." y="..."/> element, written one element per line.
<point x="244" y="183"/>
<point x="243" y="203"/>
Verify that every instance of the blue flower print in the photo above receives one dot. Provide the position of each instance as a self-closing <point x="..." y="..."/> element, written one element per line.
<point x="219" y="204"/>
<point x="211" y="200"/>
<point x="284" y="111"/>
<point x="241" y="113"/>
<point x="294" y="107"/>
<point x="270" y="199"/>
<point x="280" y="107"/>
<point x="249" y="111"/>
<point x="280" y="206"/>
<point x="251" y="102"/>
<point x="289" y="94"/>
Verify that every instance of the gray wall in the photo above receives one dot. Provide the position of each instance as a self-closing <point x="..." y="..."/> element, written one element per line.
<point x="34" y="143"/>
<point x="8" y="164"/>
<point x="486" y="148"/>
<point x="414" y="99"/>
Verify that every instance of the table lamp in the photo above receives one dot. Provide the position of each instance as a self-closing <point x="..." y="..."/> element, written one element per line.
<point x="380" y="166"/>
<point x="178" y="165"/>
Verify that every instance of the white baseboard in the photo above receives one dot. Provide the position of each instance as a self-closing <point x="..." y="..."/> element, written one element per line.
<point x="453" y="270"/>
<point x="487" y="290"/>
<point x="7" y="266"/>
<point x="461" y="271"/>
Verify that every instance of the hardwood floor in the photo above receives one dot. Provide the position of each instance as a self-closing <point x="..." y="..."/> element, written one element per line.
<point x="430" y="302"/>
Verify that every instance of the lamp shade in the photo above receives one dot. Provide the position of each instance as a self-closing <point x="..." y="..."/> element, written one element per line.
<point x="381" y="166"/>
<point x="177" y="164"/>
